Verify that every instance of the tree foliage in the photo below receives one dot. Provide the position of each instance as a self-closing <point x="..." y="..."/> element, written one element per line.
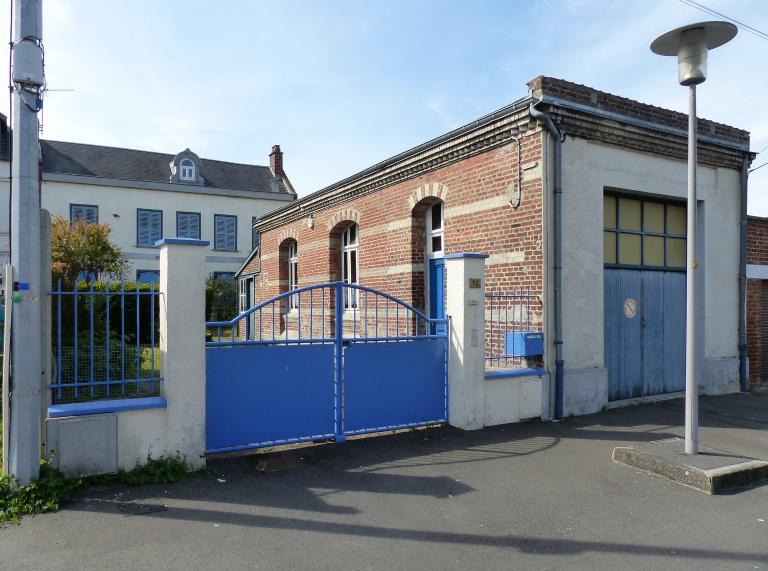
<point x="80" y="249"/>
<point x="220" y="299"/>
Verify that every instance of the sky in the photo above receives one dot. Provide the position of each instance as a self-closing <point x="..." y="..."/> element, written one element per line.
<point x="341" y="85"/>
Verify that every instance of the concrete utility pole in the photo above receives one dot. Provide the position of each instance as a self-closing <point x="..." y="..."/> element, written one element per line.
<point x="26" y="333"/>
<point x="691" y="45"/>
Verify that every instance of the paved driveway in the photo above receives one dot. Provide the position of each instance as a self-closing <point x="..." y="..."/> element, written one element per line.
<point x="526" y="496"/>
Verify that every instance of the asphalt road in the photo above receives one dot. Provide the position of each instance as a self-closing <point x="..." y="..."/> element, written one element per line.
<point x="526" y="496"/>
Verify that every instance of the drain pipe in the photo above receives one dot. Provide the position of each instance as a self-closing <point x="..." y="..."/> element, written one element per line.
<point x="559" y="363"/>
<point x="743" y="363"/>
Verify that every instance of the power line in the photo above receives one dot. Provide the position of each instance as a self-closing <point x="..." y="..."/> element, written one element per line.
<point x="761" y="150"/>
<point x="711" y="12"/>
<point x="756" y="168"/>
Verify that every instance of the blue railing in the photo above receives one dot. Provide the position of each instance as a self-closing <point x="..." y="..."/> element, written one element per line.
<point x="105" y="342"/>
<point x="316" y="314"/>
<point x="510" y="332"/>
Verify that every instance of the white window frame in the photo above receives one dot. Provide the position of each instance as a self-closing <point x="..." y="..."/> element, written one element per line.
<point x="429" y="253"/>
<point x="241" y="284"/>
<point x="435" y="232"/>
<point x="350" y="264"/>
<point x="187" y="170"/>
<point x="293" y="271"/>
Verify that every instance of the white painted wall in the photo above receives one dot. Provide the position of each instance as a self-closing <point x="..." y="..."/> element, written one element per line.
<point x="123" y="202"/>
<point x="182" y="348"/>
<point x="111" y="200"/>
<point x="588" y="169"/>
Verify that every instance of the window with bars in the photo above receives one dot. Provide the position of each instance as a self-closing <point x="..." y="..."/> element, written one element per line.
<point x="349" y="264"/>
<point x="86" y="212"/>
<point x="643" y="233"/>
<point x="188" y="225"/>
<point x="149" y="226"/>
<point x="225" y="237"/>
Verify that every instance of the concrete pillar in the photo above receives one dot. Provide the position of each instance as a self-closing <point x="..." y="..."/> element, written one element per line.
<point x="465" y="300"/>
<point x="182" y="344"/>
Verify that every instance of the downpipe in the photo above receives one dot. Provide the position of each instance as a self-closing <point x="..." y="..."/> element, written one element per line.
<point x="559" y="363"/>
<point x="743" y="362"/>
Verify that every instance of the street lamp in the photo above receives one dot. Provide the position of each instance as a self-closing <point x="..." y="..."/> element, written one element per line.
<point x="691" y="44"/>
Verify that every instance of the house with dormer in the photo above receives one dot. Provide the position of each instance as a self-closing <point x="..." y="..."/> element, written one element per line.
<point x="145" y="196"/>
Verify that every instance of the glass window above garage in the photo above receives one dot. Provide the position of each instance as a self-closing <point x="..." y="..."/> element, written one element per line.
<point x="643" y="233"/>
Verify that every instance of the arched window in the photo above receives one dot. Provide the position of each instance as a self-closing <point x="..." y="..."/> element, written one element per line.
<point x="187" y="170"/>
<point x="293" y="272"/>
<point x="435" y="231"/>
<point x="349" y="264"/>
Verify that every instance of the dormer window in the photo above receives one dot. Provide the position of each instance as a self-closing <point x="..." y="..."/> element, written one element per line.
<point x="187" y="170"/>
<point x="186" y="167"/>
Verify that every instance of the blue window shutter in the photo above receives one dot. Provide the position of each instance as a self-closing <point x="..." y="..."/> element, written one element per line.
<point x="142" y="223"/>
<point x="188" y="225"/>
<point x="255" y="236"/>
<point x="182" y="225"/>
<point x="231" y="234"/>
<point x="194" y="226"/>
<point x="85" y="212"/>
<point x="149" y="227"/>
<point x="157" y="227"/>
<point x="225" y="237"/>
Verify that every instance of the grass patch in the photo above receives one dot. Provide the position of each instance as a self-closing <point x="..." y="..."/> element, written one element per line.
<point x="162" y="470"/>
<point x="46" y="494"/>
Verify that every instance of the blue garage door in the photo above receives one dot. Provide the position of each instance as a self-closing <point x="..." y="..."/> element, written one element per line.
<point x="644" y="296"/>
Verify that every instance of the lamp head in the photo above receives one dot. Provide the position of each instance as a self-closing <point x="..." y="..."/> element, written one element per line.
<point x="691" y="44"/>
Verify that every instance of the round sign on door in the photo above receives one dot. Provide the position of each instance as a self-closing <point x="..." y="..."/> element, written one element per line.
<point x="630" y="307"/>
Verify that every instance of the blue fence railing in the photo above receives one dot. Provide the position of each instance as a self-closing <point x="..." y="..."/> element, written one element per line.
<point x="317" y="314"/>
<point x="510" y="328"/>
<point x="105" y="342"/>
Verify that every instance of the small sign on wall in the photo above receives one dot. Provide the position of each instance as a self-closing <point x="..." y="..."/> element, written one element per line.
<point x="475" y="283"/>
<point x="630" y="308"/>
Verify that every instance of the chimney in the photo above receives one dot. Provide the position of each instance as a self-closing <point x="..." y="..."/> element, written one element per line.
<point x="276" y="161"/>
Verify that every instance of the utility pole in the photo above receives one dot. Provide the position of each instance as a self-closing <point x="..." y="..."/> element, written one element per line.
<point x="26" y="329"/>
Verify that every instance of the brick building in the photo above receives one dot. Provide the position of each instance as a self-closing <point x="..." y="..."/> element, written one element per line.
<point x="757" y="299"/>
<point x="494" y="187"/>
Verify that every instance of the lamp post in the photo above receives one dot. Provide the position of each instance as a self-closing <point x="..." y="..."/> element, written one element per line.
<point x="691" y="44"/>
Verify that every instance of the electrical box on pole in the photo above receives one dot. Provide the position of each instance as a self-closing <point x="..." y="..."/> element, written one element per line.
<point x="28" y="63"/>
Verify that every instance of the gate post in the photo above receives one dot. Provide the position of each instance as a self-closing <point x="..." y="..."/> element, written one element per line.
<point x="182" y="345"/>
<point x="465" y="297"/>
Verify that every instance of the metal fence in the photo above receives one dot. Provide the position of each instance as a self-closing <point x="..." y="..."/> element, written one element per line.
<point x="512" y="318"/>
<point x="311" y="315"/>
<point x="105" y="342"/>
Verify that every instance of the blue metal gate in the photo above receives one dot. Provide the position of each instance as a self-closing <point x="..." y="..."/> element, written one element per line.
<point x="644" y="332"/>
<point x="314" y="371"/>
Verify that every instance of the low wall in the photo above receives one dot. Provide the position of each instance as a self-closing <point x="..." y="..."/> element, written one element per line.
<point x="101" y="437"/>
<point x="513" y="395"/>
<point x="84" y="440"/>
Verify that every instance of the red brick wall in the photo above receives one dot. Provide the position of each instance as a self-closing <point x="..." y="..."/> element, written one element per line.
<point x="757" y="361"/>
<point x="471" y="184"/>
<point x="757" y="241"/>
<point x="757" y="254"/>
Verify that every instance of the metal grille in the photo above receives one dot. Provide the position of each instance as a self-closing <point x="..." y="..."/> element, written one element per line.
<point x="105" y="342"/>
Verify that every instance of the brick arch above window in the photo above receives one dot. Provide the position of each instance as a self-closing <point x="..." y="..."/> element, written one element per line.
<point x="433" y="189"/>
<point x="344" y="215"/>
<point x="286" y="234"/>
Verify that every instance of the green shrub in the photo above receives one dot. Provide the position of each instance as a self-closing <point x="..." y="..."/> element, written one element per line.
<point x="46" y="494"/>
<point x="162" y="470"/>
